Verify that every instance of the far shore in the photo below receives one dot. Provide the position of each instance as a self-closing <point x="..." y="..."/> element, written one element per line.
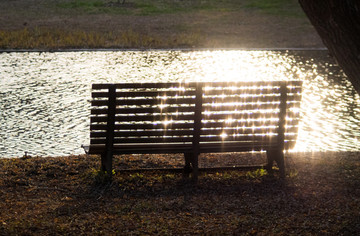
<point x="62" y="26"/>
<point x="160" y="49"/>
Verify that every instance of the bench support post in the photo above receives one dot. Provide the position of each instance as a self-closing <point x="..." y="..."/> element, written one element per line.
<point x="106" y="158"/>
<point x="197" y="130"/>
<point x="277" y="154"/>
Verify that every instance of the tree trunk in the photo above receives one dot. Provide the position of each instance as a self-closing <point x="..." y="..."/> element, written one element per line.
<point x="338" y="24"/>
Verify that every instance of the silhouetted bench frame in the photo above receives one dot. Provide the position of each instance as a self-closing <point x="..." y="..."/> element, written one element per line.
<point x="194" y="118"/>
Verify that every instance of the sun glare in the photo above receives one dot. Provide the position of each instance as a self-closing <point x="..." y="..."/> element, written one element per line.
<point x="255" y="66"/>
<point x="223" y="135"/>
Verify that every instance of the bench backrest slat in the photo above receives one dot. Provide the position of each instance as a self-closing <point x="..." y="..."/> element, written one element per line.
<point x="143" y="126"/>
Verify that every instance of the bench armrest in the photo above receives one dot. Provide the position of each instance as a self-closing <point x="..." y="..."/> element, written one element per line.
<point x="86" y="148"/>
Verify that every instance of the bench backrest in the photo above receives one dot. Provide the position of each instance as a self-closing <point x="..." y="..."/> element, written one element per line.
<point x="144" y="113"/>
<point x="211" y="116"/>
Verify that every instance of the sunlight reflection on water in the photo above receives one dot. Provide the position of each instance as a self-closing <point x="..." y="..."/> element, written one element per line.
<point x="44" y="96"/>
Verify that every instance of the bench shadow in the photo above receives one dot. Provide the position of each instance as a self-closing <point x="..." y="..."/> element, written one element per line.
<point x="169" y="184"/>
<point x="173" y="193"/>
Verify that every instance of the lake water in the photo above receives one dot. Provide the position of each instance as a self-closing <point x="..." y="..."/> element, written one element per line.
<point x="44" y="97"/>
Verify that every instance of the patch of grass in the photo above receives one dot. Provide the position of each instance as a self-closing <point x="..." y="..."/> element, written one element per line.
<point x="256" y="174"/>
<point x="101" y="177"/>
<point x="88" y="4"/>
<point x="94" y="7"/>
<point x="144" y="7"/>
<point x="171" y="7"/>
<point x="276" y="7"/>
<point x="43" y="38"/>
<point x="288" y="8"/>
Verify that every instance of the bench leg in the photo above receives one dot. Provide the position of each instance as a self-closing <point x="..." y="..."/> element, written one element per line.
<point x="270" y="161"/>
<point x="278" y="156"/>
<point x="195" y="165"/>
<point x="106" y="163"/>
<point x="191" y="166"/>
<point x="187" y="167"/>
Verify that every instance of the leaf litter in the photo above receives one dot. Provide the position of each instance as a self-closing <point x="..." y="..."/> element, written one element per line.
<point x="66" y="195"/>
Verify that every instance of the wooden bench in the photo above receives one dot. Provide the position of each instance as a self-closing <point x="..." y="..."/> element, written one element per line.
<point x="194" y="118"/>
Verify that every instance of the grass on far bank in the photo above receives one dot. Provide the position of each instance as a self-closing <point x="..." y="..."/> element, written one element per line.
<point x="144" y="7"/>
<point x="44" y="38"/>
<point x="64" y="195"/>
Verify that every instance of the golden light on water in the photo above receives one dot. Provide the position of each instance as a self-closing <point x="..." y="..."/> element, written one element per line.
<point x="242" y="66"/>
<point x="322" y="103"/>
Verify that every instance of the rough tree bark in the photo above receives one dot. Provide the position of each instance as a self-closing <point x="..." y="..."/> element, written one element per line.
<point x="338" y="24"/>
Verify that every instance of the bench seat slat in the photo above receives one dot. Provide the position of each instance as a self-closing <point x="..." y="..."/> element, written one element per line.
<point x="264" y="139"/>
<point x="183" y="148"/>
<point x="144" y="140"/>
<point x="143" y="148"/>
<point x="234" y="147"/>
<point x="188" y="132"/>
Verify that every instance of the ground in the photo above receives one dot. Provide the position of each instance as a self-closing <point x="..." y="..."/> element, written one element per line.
<point x="67" y="195"/>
